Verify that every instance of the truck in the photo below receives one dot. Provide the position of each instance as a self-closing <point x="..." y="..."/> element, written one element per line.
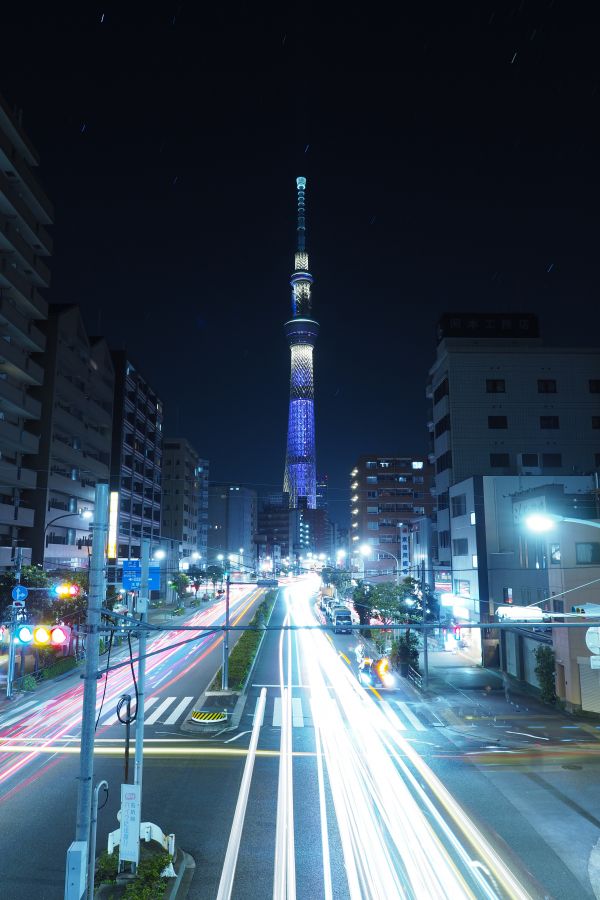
<point x="342" y="621"/>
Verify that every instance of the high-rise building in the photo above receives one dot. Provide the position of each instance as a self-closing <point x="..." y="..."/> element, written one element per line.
<point x="505" y="404"/>
<point x="25" y="245"/>
<point x="181" y="496"/>
<point x="300" y="462"/>
<point x="75" y="435"/>
<point x="388" y="494"/>
<point x="232" y="517"/>
<point x="322" y="488"/>
<point x="136" y="461"/>
<point x="203" y="476"/>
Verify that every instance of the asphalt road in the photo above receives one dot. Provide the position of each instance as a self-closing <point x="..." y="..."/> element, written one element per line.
<point x="528" y="793"/>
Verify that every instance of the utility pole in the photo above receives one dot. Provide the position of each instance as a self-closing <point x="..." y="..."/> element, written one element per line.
<point x="425" y="631"/>
<point x="141" y="677"/>
<point x="78" y="861"/>
<point x="225" y="667"/>
<point x="11" y="630"/>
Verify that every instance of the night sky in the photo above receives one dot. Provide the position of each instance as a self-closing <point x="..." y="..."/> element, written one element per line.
<point x="452" y="161"/>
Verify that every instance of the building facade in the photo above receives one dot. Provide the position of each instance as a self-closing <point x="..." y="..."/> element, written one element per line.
<point x="75" y="435"/>
<point x="504" y="404"/>
<point x="181" y="497"/>
<point x="25" y="246"/>
<point x="203" y="524"/>
<point x="388" y="494"/>
<point x="232" y="517"/>
<point x="300" y="477"/>
<point x="136" y="463"/>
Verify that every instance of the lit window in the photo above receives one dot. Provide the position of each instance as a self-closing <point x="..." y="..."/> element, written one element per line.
<point x="417" y="464"/>
<point x="472" y="518"/>
<point x="474" y="560"/>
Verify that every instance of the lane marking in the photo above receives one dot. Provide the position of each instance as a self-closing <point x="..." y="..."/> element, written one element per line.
<point x="179" y="709"/>
<point x="237" y="737"/>
<point x="537" y="737"/>
<point x="276" y="712"/>
<point x="151" y="719"/>
<point x="407" y="711"/>
<point x="297" y="716"/>
<point x="377" y="694"/>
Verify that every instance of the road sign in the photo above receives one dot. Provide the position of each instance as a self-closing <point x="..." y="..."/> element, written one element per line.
<point x="592" y="639"/>
<point x="19" y="592"/>
<point x="18" y="604"/>
<point x="129" y="844"/>
<point x="594" y="662"/>
<point x="132" y="576"/>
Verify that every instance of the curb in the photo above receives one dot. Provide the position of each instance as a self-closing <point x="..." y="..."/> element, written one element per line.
<point x="185" y="872"/>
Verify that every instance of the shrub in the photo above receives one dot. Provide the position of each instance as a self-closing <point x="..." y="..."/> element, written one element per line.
<point x="149" y="883"/>
<point x="406" y="650"/>
<point x="242" y="655"/>
<point x="29" y="683"/>
<point x="546" y="673"/>
<point x="179" y="611"/>
<point x="65" y="664"/>
<point x="107" y="866"/>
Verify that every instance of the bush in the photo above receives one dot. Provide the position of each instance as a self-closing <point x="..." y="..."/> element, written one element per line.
<point x="406" y="650"/>
<point x="179" y="611"/>
<point x="107" y="866"/>
<point x="29" y="683"/>
<point x="242" y="655"/>
<point x="546" y="673"/>
<point x="65" y="664"/>
<point x="149" y="883"/>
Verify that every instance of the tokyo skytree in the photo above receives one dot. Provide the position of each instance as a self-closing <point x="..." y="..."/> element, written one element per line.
<point x="301" y="330"/>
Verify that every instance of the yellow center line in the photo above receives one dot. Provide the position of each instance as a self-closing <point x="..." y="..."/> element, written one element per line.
<point x="377" y="694"/>
<point x="344" y="657"/>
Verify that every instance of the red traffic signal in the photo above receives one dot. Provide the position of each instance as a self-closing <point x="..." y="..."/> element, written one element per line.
<point x="456" y="632"/>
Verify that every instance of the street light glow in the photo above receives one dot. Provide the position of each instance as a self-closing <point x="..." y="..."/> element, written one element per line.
<point x="159" y="554"/>
<point x="86" y="514"/>
<point x="540" y="522"/>
<point x="365" y="550"/>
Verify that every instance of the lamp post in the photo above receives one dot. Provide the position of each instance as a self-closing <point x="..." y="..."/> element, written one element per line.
<point x="542" y="522"/>
<point x="82" y="514"/>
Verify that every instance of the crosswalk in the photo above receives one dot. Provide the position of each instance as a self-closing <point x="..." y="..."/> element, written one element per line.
<point x="402" y="715"/>
<point x="157" y="709"/>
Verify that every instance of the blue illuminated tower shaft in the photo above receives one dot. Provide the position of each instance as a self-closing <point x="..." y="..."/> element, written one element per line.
<point x="300" y="478"/>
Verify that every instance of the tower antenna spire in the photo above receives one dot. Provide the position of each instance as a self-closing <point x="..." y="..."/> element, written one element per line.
<point x="301" y="227"/>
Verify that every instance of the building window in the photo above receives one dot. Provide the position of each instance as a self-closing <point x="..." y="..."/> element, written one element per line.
<point x="442" y="425"/>
<point x="373" y="526"/>
<point x="459" y="505"/>
<point x="474" y="560"/>
<point x="587" y="554"/>
<point x="555" y="554"/>
<point x="595" y="421"/>
<point x="460" y="547"/>
<point x="373" y="510"/>
<point x="549" y="422"/>
<point x="499" y="460"/>
<point x="371" y="464"/>
<point x="495" y="386"/>
<point x="551" y="460"/>
<point x="473" y="519"/>
<point x="417" y="464"/>
<point x="497" y="422"/>
<point x="546" y="386"/>
<point x="371" y="479"/>
<point x="444" y="539"/>
<point x="371" y="495"/>
<point x="597" y="460"/>
<point x="507" y="595"/>
<point x="594" y="385"/>
<point x="462" y="587"/>
<point x="444" y="462"/>
<point x="529" y="459"/>
<point x="443" y="500"/>
<point x="442" y="390"/>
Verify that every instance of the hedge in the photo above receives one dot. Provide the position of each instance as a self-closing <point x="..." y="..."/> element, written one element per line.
<point x="243" y="654"/>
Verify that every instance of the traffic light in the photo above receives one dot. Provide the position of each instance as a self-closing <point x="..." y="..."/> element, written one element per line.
<point x="56" y="636"/>
<point x="65" y="590"/>
<point x="456" y="632"/>
<point x="579" y="610"/>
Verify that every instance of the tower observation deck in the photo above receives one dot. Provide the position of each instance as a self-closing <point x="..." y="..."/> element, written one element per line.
<point x="300" y="478"/>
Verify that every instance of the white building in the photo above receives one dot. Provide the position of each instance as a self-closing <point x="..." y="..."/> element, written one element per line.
<point x="502" y="403"/>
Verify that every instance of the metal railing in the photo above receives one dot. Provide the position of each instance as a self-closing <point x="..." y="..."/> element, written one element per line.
<point x="415" y="677"/>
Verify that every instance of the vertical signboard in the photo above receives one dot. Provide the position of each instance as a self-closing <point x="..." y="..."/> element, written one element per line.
<point x="129" y="843"/>
<point x="113" y="523"/>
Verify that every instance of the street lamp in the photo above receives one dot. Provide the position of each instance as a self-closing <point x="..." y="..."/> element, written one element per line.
<point x="541" y="522"/>
<point x="160" y="554"/>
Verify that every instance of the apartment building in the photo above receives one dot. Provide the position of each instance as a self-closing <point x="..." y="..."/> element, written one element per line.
<point x="181" y="495"/>
<point x="75" y="434"/>
<point x="504" y="404"/>
<point x="232" y="517"/>
<point x="388" y="494"/>
<point x="25" y="246"/>
<point x="136" y="462"/>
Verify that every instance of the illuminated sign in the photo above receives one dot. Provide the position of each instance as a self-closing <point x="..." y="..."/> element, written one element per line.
<point x="113" y="521"/>
<point x="521" y="613"/>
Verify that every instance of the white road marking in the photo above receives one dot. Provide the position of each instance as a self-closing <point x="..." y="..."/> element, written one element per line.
<point x="407" y="711"/>
<point x="109" y="716"/>
<point x="177" y="712"/>
<point x="151" y="719"/>
<point x="277" y="713"/>
<point x="297" y="717"/>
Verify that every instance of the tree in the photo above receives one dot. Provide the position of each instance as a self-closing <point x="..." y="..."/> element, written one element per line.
<point x="214" y="574"/>
<point x="31" y="576"/>
<point x="180" y="583"/>
<point x="405" y="651"/>
<point x="546" y="673"/>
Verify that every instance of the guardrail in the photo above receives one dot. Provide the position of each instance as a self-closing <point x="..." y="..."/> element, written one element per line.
<point x="415" y="677"/>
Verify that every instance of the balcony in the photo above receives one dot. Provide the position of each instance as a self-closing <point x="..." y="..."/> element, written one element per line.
<point x="10" y="277"/>
<point x="16" y="515"/>
<point x="14" y="204"/>
<point x="11" y="240"/>
<point x="19" y="326"/>
<point x="17" y="438"/>
<point x="17" y="401"/>
<point x="16" y="476"/>
<point x="95" y="466"/>
<point x="17" y="363"/>
<point x="27" y="185"/>
<point x="65" y="485"/>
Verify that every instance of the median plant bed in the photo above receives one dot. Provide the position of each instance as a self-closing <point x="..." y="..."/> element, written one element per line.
<point x="65" y="664"/>
<point x="148" y="883"/>
<point x="243" y="654"/>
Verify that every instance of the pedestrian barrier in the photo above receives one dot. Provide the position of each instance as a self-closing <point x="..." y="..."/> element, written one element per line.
<point x="415" y="677"/>
<point x="201" y="716"/>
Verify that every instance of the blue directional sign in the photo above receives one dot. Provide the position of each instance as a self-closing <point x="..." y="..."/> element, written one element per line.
<point x="132" y="576"/>
<point x="19" y="592"/>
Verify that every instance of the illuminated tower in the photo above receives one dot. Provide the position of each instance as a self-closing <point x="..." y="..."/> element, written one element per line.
<point x="301" y="330"/>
